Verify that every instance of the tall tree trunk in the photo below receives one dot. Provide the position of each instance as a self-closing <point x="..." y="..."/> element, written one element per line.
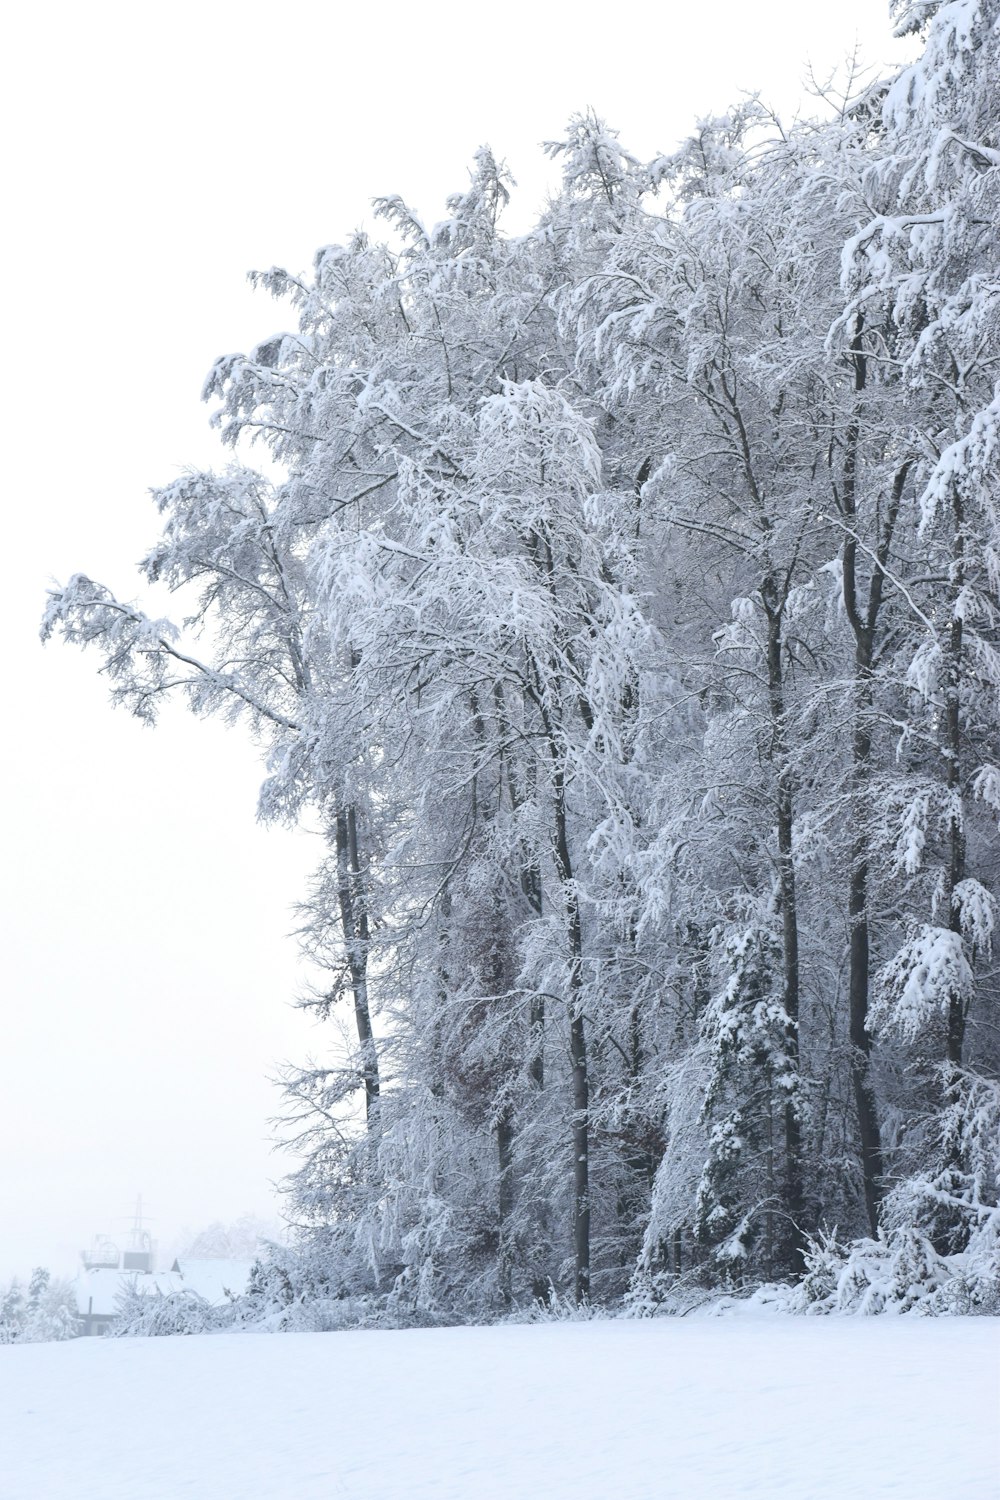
<point x="531" y="889"/>
<point x="953" y="776"/>
<point x="785" y="817"/>
<point x="577" y="1047"/>
<point x="352" y="900"/>
<point x="505" y="1204"/>
<point x="540" y="549"/>
<point x="639" y="1156"/>
<point x="863" y="620"/>
<point x="357" y="937"/>
<point x="859" y="940"/>
<point x="530" y="880"/>
<point x="505" y="1131"/>
<point x="500" y="983"/>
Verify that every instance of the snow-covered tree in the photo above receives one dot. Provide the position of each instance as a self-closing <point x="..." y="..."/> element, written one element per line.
<point x="622" y="609"/>
<point x="43" y="1312"/>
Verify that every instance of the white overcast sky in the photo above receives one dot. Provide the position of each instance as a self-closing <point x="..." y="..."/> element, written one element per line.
<point x="154" y="155"/>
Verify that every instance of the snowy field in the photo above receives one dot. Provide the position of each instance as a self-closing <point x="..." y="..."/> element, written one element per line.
<point x="816" y="1409"/>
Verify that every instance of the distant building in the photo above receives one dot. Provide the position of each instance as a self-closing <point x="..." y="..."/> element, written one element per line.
<point x="106" y="1272"/>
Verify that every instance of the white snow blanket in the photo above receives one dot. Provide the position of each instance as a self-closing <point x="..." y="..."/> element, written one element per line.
<point x="674" y="1409"/>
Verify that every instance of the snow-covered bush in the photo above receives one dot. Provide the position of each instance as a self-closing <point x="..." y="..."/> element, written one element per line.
<point x="159" y="1314"/>
<point x="900" y="1273"/>
<point x="559" y="1309"/>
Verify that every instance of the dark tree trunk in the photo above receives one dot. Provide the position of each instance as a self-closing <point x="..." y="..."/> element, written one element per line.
<point x="860" y="961"/>
<point x="530" y="880"/>
<point x="540" y="549"/>
<point x="784" y="816"/>
<point x="577" y="1049"/>
<point x="505" y="1203"/>
<point x="863" y="619"/>
<point x="531" y="888"/>
<point x="953" y="777"/>
<point x="498" y="970"/>
<point x="354" y="923"/>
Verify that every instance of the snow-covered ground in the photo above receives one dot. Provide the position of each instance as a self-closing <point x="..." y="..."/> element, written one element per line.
<point x="693" y="1408"/>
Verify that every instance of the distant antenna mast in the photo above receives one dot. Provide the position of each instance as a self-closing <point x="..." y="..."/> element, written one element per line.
<point x="139" y="1257"/>
<point x="140" y="1236"/>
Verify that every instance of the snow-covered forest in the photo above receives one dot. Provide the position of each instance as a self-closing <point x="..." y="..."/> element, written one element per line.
<point x="620" y="599"/>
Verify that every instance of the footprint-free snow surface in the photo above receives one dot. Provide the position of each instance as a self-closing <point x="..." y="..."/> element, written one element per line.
<point x="693" y="1408"/>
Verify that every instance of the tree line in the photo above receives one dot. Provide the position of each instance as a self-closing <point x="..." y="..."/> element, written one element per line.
<point x="625" y="614"/>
